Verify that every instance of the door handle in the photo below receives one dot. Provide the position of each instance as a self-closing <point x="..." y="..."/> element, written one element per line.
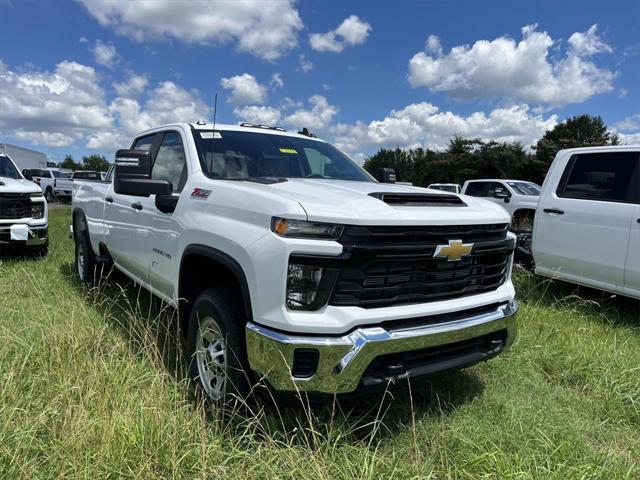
<point x="108" y="199"/>
<point x="553" y="210"/>
<point x="136" y="206"/>
<point x="638" y="220"/>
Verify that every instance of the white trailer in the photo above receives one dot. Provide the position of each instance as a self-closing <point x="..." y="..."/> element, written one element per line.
<point x="23" y="157"/>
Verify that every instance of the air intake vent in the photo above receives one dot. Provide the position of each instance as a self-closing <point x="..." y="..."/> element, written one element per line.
<point x="419" y="199"/>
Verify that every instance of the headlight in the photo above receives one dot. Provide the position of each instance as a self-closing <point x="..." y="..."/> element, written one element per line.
<point x="37" y="210"/>
<point x="303" y="229"/>
<point x="309" y="286"/>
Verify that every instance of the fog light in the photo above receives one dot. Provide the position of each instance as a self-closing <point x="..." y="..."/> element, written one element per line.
<point x="305" y="362"/>
<point x="309" y="286"/>
<point x="37" y="210"/>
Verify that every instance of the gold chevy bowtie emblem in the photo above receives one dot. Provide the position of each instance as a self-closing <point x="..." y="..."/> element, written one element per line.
<point x="454" y="251"/>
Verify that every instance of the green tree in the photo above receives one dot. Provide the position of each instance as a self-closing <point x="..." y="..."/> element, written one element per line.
<point x="69" y="163"/>
<point x="95" y="162"/>
<point x="579" y="131"/>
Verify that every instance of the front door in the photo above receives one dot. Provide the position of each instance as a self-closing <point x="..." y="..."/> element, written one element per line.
<point x="582" y="229"/>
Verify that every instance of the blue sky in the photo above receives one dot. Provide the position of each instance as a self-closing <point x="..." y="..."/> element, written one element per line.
<point x="83" y="76"/>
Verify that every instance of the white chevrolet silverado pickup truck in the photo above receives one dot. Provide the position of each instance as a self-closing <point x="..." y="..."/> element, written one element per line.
<point x="587" y="226"/>
<point x="23" y="210"/>
<point x="290" y="264"/>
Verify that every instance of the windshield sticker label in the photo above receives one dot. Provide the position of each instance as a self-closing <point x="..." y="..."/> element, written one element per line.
<point x="200" y="194"/>
<point x="292" y="151"/>
<point x="206" y="135"/>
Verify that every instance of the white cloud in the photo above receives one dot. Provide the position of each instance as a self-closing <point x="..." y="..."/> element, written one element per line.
<point x="132" y="87"/>
<point x="423" y="124"/>
<point x="628" y="124"/>
<point x="105" y="54"/>
<point x="521" y="71"/>
<point x="245" y="89"/>
<point x="588" y="43"/>
<point x="352" y="31"/>
<point x="266" y="31"/>
<point x="276" y="81"/>
<point x="316" y="118"/>
<point x="258" y="114"/>
<point x="50" y="108"/>
<point x="304" y="64"/>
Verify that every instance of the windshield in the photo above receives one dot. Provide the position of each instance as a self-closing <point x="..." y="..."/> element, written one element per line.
<point x="8" y="169"/>
<point x="246" y="155"/>
<point x="525" y="188"/>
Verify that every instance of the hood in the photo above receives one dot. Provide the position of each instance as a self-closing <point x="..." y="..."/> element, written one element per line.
<point x="11" y="185"/>
<point x="350" y="202"/>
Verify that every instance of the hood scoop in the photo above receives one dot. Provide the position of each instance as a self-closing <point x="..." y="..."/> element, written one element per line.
<point x="418" y="199"/>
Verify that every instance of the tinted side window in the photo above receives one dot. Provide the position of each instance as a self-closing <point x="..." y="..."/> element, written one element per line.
<point x="493" y="186"/>
<point x="476" y="189"/>
<point x="607" y="176"/>
<point x="170" y="163"/>
<point x="144" y="143"/>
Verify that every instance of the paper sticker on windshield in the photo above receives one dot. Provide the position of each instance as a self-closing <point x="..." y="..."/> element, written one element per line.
<point x="206" y="135"/>
<point x="289" y="150"/>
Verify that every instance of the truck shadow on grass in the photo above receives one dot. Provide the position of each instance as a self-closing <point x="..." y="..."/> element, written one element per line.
<point x="152" y="330"/>
<point x="616" y="310"/>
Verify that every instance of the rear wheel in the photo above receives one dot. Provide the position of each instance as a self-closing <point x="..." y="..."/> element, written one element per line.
<point x="216" y="347"/>
<point x="85" y="263"/>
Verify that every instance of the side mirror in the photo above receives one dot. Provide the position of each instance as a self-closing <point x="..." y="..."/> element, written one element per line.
<point x="133" y="175"/>
<point x="387" y="175"/>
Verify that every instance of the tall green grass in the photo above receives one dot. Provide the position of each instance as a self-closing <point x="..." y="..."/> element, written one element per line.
<point x="92" y="385"/>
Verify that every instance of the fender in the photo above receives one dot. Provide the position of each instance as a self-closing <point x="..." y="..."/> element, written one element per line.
<point x="225" y="260"/>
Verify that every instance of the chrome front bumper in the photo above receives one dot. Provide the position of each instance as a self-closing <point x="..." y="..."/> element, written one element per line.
<point x="342" y="360"/>
<point x="37" y="235"/>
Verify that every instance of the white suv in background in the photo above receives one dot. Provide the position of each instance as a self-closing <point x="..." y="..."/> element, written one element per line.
<point x="518" y="197"/>
<point x="587" y="229"/>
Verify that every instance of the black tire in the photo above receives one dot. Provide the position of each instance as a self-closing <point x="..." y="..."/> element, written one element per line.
<point x="48" y="195"/>
<point x="85" y="260"/>
<point x="219" y="312"/>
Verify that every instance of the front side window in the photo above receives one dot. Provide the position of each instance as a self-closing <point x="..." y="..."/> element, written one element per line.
<point x="57" y="174"/>
<point x="8" y="169"/>
<point x="245" y="155"/>
<point x="170" y="163"/>
<point x="144" y="143"/>
<point x="607" y="176"/>
<point x="476" y="189"/>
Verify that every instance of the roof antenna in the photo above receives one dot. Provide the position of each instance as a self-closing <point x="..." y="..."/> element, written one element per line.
<point x="215" y="110"/>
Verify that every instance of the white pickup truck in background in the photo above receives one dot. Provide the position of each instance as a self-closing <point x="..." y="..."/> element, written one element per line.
<point x="23" y="210"/>
<point x="587" y="227"/>
<point x="54" y="183"/>
<point x="290" y="263"/>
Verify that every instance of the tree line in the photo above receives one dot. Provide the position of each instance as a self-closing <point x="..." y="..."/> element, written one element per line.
<point x="465" y="158"/>
<point x="97" y="163"/>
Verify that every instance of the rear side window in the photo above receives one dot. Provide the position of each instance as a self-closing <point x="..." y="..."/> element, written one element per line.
<point x="476" y="189"/>
<point x="607" y="177"/>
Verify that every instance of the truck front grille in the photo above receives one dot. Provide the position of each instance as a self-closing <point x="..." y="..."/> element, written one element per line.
<point x="387" y="266"/>
<point x="14" y="206"/>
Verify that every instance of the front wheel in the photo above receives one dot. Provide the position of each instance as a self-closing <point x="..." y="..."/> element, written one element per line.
<point x="85" y="264"/>
<point x="216" y="347"/>
<point x="48" y="195"/>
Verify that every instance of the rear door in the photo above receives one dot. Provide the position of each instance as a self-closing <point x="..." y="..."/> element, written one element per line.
<point x="583" y="225"/>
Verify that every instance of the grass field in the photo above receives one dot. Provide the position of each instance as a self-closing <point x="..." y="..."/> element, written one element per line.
<point x="92" y="386"/>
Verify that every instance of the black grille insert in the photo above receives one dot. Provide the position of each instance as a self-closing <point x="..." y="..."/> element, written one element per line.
<point x="14" y="206"/>
<point x="387" y="266"/>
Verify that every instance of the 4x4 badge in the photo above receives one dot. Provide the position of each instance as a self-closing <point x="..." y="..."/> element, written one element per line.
<point x="454" y="251"/>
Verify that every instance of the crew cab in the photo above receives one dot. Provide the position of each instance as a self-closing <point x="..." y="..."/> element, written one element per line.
<point x="23" y="210"/>
<point x="518" y="197"/>
<point x="291" y="264"/>
<point x="587" y="227"/>
<point x="53" y="182"/>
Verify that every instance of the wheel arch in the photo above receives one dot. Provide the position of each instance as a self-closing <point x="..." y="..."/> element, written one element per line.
<point x="198" y="268"/>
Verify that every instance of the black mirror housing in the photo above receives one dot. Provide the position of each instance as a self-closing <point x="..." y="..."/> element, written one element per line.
<point x="387" y="175"/>
<point x="133" y="175"/>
